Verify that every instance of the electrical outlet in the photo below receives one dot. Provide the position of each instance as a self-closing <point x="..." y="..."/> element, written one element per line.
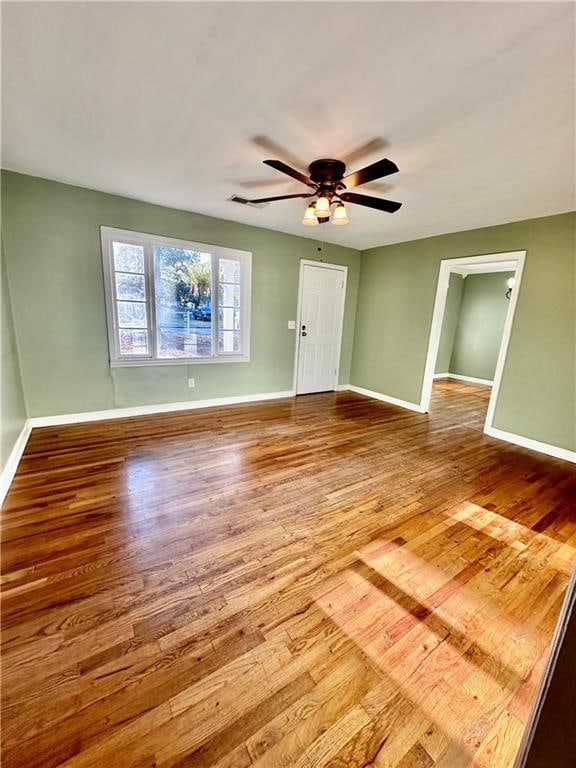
<point x="191" y="383"/>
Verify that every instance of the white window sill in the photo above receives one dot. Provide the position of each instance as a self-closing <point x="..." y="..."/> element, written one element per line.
<point x="142" y="362"/>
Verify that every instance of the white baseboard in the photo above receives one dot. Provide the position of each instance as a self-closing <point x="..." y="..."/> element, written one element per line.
<point x="533" y="445"/>
<point x="471" y="379"/>
<point x="441" y="375"/>
<point x="342" y="387"/>
<point x="7" y="474"/>
<point x="386" y="399"/>
<point x="146" y="410"/>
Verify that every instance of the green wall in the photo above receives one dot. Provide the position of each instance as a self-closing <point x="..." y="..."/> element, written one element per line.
<point x="449" y="323"/>
<point x="54" y="269"/>
<point x="480" y="325"/>
<point x="395" y="305"/>
<point x="54" y="265"/>
<point x="13" y="413"/>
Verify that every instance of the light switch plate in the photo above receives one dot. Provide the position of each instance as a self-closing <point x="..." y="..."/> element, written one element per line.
<point x="291" y="325"/>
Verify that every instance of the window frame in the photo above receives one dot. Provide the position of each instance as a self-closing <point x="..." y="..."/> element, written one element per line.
<point x="110" y="235"/>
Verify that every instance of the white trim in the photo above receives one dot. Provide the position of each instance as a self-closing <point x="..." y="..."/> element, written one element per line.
<point x="386" y="398"/>
<point x="447" y="266"/>
<point x="441" y="375"/>
<point x="340" y="268"/>
<point x="342" y="388"/>
<point x="325" y="264"/>
<point x="533" y="445"/>
<point x="483" y="268"/>
<point x="146" y="410"/>
<point x="489" y="423"/>
<point x="142" y="362"/>
<point x="7" y="474"/>
<point x="471" y="379"/>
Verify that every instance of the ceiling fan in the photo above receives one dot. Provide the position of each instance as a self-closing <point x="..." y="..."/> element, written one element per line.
<point x="330" y="188"/>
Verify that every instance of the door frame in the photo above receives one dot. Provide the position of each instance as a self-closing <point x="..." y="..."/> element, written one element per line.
<point x="452" y="265"/>
<point x="344" y="270"/>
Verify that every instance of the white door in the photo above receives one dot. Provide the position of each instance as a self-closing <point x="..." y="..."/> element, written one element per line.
<point x="322" y="291"/>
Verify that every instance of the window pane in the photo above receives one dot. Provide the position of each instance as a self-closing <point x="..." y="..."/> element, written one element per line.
<point x="228" y="342"/>
<point x="229" y="271"/>
<point x="183" y="302"/>
<point x="229" y="319"/>
<point x="229" y="295"/>
<point x="133" y="342"/>
<point x="130" y="286"/>
<point x="131" y="314"/>
<point x="128" y="258"/>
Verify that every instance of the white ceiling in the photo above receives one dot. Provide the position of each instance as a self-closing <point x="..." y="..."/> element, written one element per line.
<point x="162" y="102"/>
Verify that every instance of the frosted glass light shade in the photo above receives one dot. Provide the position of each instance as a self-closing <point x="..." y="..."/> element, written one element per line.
<point x="322" y="207"/>
<point x="340" y="216"/>
<point x="310" y="217"/>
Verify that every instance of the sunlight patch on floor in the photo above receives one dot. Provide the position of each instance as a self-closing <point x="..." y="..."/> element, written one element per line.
<point x="448" y="633"/>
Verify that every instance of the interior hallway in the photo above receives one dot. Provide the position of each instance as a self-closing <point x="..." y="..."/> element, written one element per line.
<point x="320" y="581"/>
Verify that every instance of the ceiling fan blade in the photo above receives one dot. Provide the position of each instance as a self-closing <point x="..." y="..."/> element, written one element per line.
<point x="367" y="148"/>
<point x="380" y="188"/>
<point x="273" y="149"/>
<point x="283" y="168"/>
<point x="281" y="181"/>
<point x="371" y="202"/>
<point x="371" y="172"/>
<point x="237" y="199"/>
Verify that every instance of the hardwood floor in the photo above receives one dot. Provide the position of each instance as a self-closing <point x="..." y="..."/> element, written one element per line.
<point x="321" y="581"/>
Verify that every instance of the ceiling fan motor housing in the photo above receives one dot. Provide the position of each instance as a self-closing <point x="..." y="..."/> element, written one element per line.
<point x="327" y="173"/>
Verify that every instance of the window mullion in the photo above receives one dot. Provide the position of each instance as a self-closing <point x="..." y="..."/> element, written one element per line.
<point x="215" y="299"/>
<point x="245" y="301"/>
<point x="114" y="298"/>
<point x="151" y="298"/>
<point x="241" y="310"/>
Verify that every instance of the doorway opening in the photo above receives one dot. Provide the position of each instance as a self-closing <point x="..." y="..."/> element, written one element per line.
<point x="320" y="323"/>
<point x="473" y="315"/>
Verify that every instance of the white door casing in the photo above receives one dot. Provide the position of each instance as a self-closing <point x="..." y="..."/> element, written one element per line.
<point x="514" y="261"/>
<point x="320" y="319"/>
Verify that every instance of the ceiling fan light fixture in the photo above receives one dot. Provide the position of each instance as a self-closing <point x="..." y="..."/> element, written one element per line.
<point x="322" y="207"/>
<point x="310" y="216"/>
<point x="340" y="215"/>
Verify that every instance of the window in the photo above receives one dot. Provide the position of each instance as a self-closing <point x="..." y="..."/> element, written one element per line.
<point x="173" y="301"/>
